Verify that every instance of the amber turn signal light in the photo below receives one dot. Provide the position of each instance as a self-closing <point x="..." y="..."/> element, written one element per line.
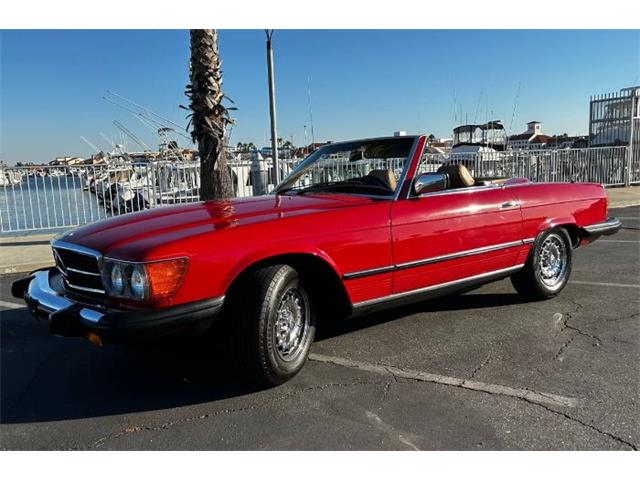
<point x="94" y="339"/>
<point x="165" y="276"/>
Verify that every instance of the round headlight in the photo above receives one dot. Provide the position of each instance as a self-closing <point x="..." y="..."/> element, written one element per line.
<point x="138" y="282"/>
<point x="117" y="279"/>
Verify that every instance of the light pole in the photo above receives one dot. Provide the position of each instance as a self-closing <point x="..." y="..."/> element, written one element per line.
<point x="272" y="108"/>
<point x="306" y="145"/>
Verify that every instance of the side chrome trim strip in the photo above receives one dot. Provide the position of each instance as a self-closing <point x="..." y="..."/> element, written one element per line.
<point x="472" y="189"/>
<point x="366" y="273"/>
<point x="439" y="286"/>
<point x="452" y="256"/>
<point x="440" y="258"/>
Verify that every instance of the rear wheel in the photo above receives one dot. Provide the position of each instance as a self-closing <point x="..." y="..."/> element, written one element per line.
<point x="278" y="324"/>
<point x="548" y="267"/>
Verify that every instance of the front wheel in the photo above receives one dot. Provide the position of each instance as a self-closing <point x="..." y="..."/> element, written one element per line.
<point x="278" y="324"/>
<point x="548" y="267"/>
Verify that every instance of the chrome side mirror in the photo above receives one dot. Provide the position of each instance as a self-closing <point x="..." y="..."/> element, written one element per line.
<point x="430" y="182"/>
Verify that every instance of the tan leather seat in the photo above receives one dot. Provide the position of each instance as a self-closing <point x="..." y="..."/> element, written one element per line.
<point x="386" y="176"/>
<point x="459" y="175"/>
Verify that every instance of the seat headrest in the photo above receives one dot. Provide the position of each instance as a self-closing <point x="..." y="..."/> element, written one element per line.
<point x="459" y="175"/>
<point x="387" y="176"/>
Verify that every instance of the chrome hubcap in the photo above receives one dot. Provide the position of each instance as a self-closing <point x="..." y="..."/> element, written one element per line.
<point x="552" y="261"/>
<point x="291" y="324"/>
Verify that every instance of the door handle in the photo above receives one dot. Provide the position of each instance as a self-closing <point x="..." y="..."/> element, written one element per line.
<point x="510" y="204"/>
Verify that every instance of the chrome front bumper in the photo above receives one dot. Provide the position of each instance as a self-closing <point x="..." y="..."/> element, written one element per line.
<point x="68" y="317"/>
<point x="43" y="300"/>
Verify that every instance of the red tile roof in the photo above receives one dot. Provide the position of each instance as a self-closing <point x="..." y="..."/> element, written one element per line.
<point x="541" y="139"/>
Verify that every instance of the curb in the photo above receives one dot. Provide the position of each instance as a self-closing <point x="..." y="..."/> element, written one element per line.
<point x="633" y="203"/>
<point x="23" y="267"/>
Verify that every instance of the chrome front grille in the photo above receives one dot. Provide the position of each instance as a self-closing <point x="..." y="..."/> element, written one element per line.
<point x="80" y="268"/>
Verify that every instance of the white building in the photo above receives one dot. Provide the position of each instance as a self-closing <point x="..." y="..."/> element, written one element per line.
<point x="531" y="139"/>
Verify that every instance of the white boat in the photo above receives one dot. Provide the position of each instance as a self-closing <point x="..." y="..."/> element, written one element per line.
<point x="483" y="138"/>
<point x="10" y="178"/>
<point x="4" y="180"/>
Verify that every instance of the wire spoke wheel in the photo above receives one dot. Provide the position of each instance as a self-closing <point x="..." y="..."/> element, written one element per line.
<point x="292" y="324"/>
<point x="552" y="260"/>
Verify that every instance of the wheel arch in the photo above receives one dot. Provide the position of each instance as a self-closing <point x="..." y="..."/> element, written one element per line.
<point x="574" y="233"/>
<point x="317" y="270"/>
<point x="567" y="223"/>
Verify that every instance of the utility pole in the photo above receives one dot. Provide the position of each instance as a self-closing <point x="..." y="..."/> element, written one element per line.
<point x="272" y="108"/>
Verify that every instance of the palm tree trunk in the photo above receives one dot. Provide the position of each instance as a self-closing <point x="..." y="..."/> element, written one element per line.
<point x="209" y="117"/>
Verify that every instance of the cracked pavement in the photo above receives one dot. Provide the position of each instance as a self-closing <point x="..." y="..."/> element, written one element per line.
<point x="61" y="393"/>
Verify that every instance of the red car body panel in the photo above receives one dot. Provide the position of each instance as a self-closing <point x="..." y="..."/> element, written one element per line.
<point x="445" y="224"/>
<point x="545" y="205"/>
<point x="349" y="233"/>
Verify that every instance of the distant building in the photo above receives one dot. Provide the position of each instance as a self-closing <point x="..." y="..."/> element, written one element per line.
<point x="67" y="160"/>
<point x="531" y="139"/>
<point x="439" y="145"/>
<point x="610" y="117"/>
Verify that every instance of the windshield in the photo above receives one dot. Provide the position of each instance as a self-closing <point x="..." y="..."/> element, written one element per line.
<point x="365" y="167"/>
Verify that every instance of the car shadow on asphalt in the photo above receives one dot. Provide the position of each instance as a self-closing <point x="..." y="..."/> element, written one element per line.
<point x="459" y="302"/>
<point x="46" y="378"/>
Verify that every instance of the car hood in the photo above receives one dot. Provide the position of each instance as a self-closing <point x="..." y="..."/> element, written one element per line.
<point x="133" y="234"/>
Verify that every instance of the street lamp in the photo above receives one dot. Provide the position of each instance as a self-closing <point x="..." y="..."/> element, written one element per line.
<point x="272" y="108"/>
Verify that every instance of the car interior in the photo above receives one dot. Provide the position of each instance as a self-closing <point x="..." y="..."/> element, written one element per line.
<point x="385" y="177"/>
<point x="460" y="177"/>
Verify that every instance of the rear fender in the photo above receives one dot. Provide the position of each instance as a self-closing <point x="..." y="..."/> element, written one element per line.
<point x="568" y="222"/>
<point x="553" y="222"/>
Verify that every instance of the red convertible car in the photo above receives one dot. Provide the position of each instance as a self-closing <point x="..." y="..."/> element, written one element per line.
<point x="356" y="226"/>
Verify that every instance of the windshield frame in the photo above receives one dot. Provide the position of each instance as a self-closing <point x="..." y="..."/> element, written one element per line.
<point x="283" y="187"/>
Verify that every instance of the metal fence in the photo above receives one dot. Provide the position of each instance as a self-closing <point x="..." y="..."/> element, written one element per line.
<point x="611" y="117"/>
<point x="53" y="197"/>
<point x="609" y="166"/>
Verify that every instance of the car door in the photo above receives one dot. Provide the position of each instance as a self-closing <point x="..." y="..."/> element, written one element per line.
<point x="452" y="235"/>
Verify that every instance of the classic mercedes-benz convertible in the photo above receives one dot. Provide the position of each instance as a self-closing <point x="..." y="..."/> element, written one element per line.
<point x="356" y="226"/>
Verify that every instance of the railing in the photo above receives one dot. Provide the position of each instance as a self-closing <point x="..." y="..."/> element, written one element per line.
<point x="608" y="166"/>
<point x="55" y="197"/>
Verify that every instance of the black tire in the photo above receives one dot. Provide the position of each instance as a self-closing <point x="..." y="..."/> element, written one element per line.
<point x="532" y="282"/>
<point x="263" y="352"/>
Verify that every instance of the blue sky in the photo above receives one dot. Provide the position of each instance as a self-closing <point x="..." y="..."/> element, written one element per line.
<point x="363" y="82"/>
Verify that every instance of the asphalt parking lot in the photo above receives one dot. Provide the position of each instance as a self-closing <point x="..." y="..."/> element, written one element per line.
<point x="478" y="371"/>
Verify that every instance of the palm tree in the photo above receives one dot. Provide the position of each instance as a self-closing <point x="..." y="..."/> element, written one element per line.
<point x="209" y="117"/>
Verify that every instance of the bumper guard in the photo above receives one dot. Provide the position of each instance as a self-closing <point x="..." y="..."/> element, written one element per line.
<point x="68" y="317"/>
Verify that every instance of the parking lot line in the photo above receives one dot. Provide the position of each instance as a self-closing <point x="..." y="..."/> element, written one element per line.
<point x="619" y="241"/>
<point x="10" y="305"/>
<point x="604" y="284"/>
<point x="522" y="393"/>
